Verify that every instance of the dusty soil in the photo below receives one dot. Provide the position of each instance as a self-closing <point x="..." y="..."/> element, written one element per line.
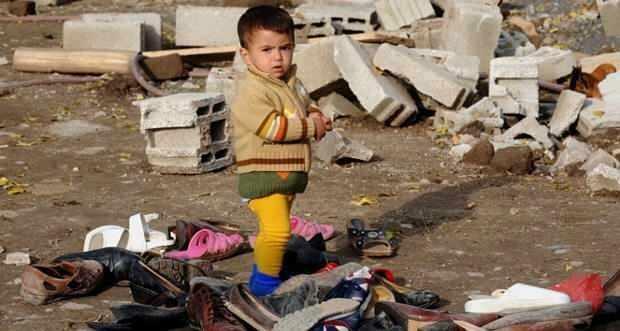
<point x="465" y="232"/>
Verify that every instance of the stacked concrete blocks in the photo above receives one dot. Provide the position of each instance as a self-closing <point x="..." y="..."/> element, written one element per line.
<point x="610" y="15"/>
<point x="396" y="14"/>
<point x="151" y="24"/>
<point x="513" y="84"/>
<point x="344" y="18"/>
<point x="428" y="78"/>
<point x="207" y="26"/>
<point x="186" y="133"/>
<point x="383" y="97"/>
<point x="120" y="36"/>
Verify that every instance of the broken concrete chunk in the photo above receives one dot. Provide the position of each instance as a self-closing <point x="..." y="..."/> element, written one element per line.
<point x="222" y="80"/>
<point x="513" y="84"/>
<point x="17" y="258"/>
<point x="600" y="156"/>
<point x="596" y="118"/>
<point x="427" y="33"/>
<point x="553" y="63"/>
<point x="610" y="88"/>
<point x="610" y="15"/>
<point x="316" y="67"/>
<point x="530" y="127"/>
<point x="566" y="112"/>
<point x="458" y="151"/>
<point x="192" y="22"/>
<point x="151" y="23"/>
<point x="126" y="36"/>
<point x="515" y="159"/>
<point x="396" y="14"/>
<point x="472" y="28"/>
<point x="428" y="78"/>
<point x="385" y="98"/>
<point x="335" y="146"/>
<point x="484" y="111"/>
<point x="604" y="178"/>
<point x="574" y="153"/>
<point x="335" y="105"/>
<point x="480" y="154"/>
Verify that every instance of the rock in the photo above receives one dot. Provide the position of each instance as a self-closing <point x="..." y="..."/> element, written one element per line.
<point x="528" y="126"/>
<point x="480" y="154"/>
<point x="604" y="178"/>
<point x="459" y="150"/>
<point x="8" y="213"/>
<point x="513" y="211"/>
<point x="335" y="146"/>
<point x="17" y="258"/>
<point x="1" y="249"/>
<point x="75" y="306"/>
<point x="75" y="128"/>
<point x="475" y="274"/>
<point x="574" y="153"/>
<point x="600" y="156"/>
<point x="3" y="61"/>
<point x="91" y="150"/>
<point x="517" y="160"/>
<point x="51" y="188"/>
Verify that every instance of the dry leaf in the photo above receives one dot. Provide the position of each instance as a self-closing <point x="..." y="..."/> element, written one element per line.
<point x="364" y="201"/>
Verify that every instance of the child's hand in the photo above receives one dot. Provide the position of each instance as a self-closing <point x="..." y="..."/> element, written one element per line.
<point x="319" y="125"/>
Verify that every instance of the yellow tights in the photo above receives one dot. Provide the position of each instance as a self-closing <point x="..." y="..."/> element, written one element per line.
<point x="274" y="230"/>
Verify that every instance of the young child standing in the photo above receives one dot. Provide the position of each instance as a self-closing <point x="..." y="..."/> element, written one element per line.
<point x="273" y="122"/>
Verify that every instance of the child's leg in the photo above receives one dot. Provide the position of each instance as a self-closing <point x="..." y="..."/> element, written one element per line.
<point x="274" y="231"/>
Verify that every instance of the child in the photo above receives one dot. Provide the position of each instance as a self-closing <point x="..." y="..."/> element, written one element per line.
<point x="273" y="122"/>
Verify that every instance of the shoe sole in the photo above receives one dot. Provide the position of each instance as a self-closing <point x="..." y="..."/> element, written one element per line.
<point x="244" y="317"/>
<point x="306" y="318"/>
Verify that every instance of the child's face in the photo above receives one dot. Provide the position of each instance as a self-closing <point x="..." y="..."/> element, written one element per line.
<point x="269" y="51"/>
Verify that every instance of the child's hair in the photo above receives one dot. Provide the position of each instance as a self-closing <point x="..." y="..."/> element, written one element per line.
<point x="264" y="17"/>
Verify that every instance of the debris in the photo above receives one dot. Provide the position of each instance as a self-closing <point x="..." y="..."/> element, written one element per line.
<point x="335" y="105"/>
<point x="517" y="160"/>
<point x="8" y="214"/>
<point x="364" y="200"/>
<point x="318" y="55"/>
<point x="513" y="43"/>
<point x="222" y="80"/>
<point x="597" y="118"/>
<point x="526" y="27"/>
<point x="5" y="86"/>
<point x="72" y="61"/>
<point x="604" y="178"/>
<point x="75" y="306"/>
<point x="396" y="14"/>
<point x="334" y="147"/>
<point x="484" y="111"/>
<point x="119" y="36"/>
<point x="17" y="258"/>
<point x="553" y="63"/>
<point x="22" y="8"/>
<point x="588" y="64"/>
<point x="389" y="99"/>
<point x="600" y="156"/>
<point x="427" y="33"/>
<point x="11" y="187"/>
<point x="459" y="151"/>
<point x="513" y="211"/>
<point x="41" y="3"/>
<point x="566" y="112"/>
<point x="193" y="21"/>
<point x="574" y="152"/>
<point x="513" y="84"/>
<point x="530" y="127"/>
<point x="610" y="88"/>
<point x="350" y="17"/>
<point x="186" y="133"/>
<point x="2" y="250"/>
<point x="480" y="154"/>
<point x="610" y="15"/>
<point x="75" y="128"/>
<point x="164" y="67"/>
<point x="151" y="22"/>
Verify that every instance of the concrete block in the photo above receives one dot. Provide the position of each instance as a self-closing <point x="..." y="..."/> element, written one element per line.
<point x="589" y="64"/>
<point x="513" y="84"/>
<point x="316" y="67"/>
<point x="427" y="33"/>
<point x="472" y="28"/>
<point x="610" y="15"/>
<point x="566" y="112"/>
<point x="528" y="126"/>
<point x="574" y="152"/>
<point x="335" y="105"/>
<point x="596" y="118"/>
<point x="428" y="78"/>
<point x="604" y="178"/>
<point x="22" y="8"/>
<point x="41" y="3"/>
<point x="554" y="63"/>
<point x="207" y="26"/>
<point x="610" y="88"/>
<point x="151" y="24"/>
<point x="334" y="147"/>
<point x="313" y="26"/>
<point x="164" y="67"/>
<point x="344" y="17"/>
<point x="103" y="36"/>
<point x="484" y="111"/>
<point x="466" y="68"/>
<point x="222" y="80"/>
<point x="385" y="98"/>
<point x="396" y="14"/>
<point x="600" y="156"/>
<point x="213" y="158"/>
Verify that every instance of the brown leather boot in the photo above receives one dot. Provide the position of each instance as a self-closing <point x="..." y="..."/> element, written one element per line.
<point x="207" y="312"/>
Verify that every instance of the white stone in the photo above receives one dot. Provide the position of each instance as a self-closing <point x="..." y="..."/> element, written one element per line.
<point x="513" y="84"/>
<point x="428" y="78"/>
<point x="610" y="15"/>
<point x="126" y="36"/>
<point x="604" y="178"/>
<point x="528" y="126"/>
<point x="472" y="28"/>
<point x="566" y="112"/>
<point x="383" y="97"/>
<point x="17" y="258"/>
<point x="207" y="26"/>
<point x="600" y="156"/>
<point x="610" y="88"/>
<point x="553" y="63"/>
<point x="151" y="24"/>
<point x="335" y="146"/>
<point x="596" y="118"/>
<point x="458" y="151"/>
<point x="315" y="65"/>
<point x="574" y="152"/>
<point x="396" y="14"/>
<point x="335" y="105"/>
<point x="75" y="306"/>
<point x="3" y="61"/>
<point x="484" y="111"/>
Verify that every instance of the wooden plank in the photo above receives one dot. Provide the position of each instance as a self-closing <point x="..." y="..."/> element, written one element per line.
<point x="72" y="61"/>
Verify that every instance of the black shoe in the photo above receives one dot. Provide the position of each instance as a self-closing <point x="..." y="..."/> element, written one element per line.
<point x="143" y="317"/>
<point x="117" y="262"/>
<point x="301" y="258"/>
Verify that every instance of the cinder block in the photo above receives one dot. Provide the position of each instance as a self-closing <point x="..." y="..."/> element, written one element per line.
<point x="472" y="28"/>
<point x="554" y="63"/>
<point x="427" y="77"/>
<point x="396" y="14"/>
<point x="313" y="26"/>
<point x="610" y="15"/>
<point x="222" y="80"/>
<point x="528" y="126"/>
<point x="151" y="24"/>
<point x="427" y="33"/>
<point x="186" y="133"/>
<point x="335" y="105"/>
<point x="513" y="84"/>
<point x="566" y="112"/>
<point x="596" y="118"/>
<point x="385" y="98"/>
<point x="345" y="17"/>
<point x="103" y="36"/>
<point x="207" y="26"/>
<point x="315" y="65"/>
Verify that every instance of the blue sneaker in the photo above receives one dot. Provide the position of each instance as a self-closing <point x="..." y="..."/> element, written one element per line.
<point x="261" y="284"/>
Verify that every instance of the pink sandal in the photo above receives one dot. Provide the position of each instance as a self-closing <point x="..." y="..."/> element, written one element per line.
<point x="210" y="246"/>
<point x="305" y="229"/>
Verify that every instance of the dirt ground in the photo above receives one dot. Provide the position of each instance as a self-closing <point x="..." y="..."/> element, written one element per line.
<point x="466" y="231"/>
